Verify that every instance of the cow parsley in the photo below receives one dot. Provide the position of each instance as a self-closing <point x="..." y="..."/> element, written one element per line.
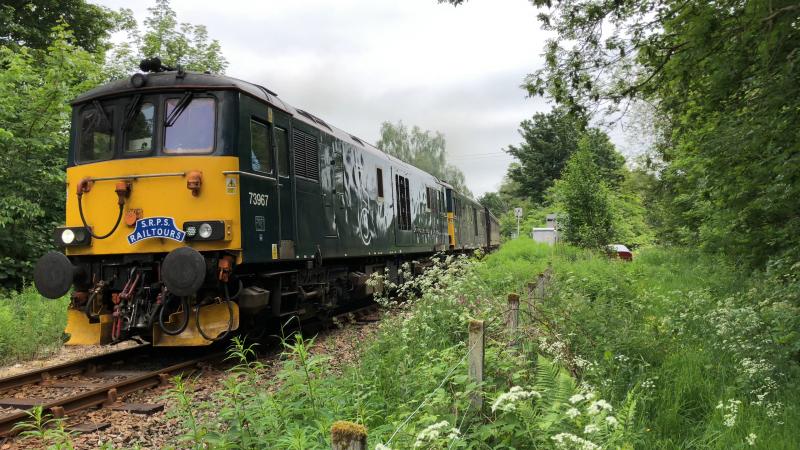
<point x="507" y="400"/>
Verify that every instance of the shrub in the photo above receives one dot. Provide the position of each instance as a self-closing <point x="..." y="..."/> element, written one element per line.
<point x="30" y="325"/>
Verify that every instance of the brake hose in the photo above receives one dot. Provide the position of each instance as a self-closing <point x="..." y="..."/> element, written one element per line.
<point x="83" y="219"/>
<point x="229" y="304"/>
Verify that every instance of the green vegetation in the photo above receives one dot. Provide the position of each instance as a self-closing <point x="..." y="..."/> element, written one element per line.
<point x="30" y="326"/>
<point x="674" y="350"/>
<point x="425" y="150"/>
<point x="51" y="52"/>
<point x="721" y="80"/>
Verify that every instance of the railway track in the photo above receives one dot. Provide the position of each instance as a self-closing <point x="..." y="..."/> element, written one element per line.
<point x="103" y="380"/>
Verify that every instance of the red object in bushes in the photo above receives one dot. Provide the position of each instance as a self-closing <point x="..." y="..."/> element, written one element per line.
<point x="621" y="252"/>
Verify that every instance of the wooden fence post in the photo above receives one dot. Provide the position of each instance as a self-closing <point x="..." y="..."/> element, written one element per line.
<point x="348" y="436"/>
<point x="476" y="351"/>
<point x="540" y="287"/>
<point x="513" y="316"/>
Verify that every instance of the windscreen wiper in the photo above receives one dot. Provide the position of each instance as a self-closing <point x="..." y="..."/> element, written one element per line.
<point x="133" y="111"/>
<point x="102" y="122"/>
<point x="179" y="108"/>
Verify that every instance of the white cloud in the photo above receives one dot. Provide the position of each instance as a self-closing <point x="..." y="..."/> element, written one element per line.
<point x="357" y="63"/>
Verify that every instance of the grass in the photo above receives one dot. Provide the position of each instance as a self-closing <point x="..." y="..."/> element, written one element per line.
<point x="675" y="350"/>
<point x="30" y="325"/>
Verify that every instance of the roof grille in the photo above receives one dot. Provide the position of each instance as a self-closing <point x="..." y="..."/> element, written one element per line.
<point x="306" y="155"/>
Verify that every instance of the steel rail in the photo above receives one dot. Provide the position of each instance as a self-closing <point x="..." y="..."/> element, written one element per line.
<point x="104" y="395"/>
<point x="69" y="368"/>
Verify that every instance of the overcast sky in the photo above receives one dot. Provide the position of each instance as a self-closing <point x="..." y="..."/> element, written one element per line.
<point x="357" y="63"/>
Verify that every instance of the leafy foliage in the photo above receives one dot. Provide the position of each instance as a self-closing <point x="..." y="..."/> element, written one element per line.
<point x="588" y="221"/>
<point x="30" y="325"/>
<point x="35" y="88"/>
<point x="29" y="24"/>
<point x="548" y="142"/>
<point x="425" y="150"/>
<point x="175" y="43"/>
<point x="723" y="76"/>
<point x="410" y="386"/>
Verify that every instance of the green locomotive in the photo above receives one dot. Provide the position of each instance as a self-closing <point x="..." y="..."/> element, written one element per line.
<point x="198" y="201"/>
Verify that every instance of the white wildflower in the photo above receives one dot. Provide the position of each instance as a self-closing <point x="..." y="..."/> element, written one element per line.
<point x="382" y="447"/>
<point x="507" y="400"/>
<point x="576" y="398"/>
<point x="599" y="405"/>
<point x="612" y="421"/>
<point x="433" y="432"/>
<point x="751" y="439"/>
<point x="729" y="411"/>
<point x="573" y="413"/>
<point x="568" y="440"/>
<point x="591" y="428"/>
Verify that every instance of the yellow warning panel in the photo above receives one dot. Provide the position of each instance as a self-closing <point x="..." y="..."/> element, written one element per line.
<point x="82" y="332"/>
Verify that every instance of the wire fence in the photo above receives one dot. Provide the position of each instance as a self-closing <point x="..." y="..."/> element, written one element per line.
<point x="537" y="293"/>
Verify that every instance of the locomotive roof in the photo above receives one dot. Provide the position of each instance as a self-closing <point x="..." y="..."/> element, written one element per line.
<point x="172" y="80"/>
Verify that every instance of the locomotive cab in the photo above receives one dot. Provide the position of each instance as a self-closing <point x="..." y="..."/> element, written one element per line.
<point x="152" y="214"/>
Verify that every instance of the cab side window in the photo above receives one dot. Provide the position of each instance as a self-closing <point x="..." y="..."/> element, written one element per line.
<point x="282" y="144"/>
<point x="260" y="150"/>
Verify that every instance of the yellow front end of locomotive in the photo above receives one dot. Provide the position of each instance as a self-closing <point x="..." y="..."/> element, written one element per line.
<point x="159" y="188"/>
<point x="162" y="193"/>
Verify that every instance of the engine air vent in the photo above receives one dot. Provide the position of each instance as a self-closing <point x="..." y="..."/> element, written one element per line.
<point x="306" y="155"/>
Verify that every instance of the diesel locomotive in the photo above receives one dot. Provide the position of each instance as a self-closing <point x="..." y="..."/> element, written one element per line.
<point x="198" y="204"/>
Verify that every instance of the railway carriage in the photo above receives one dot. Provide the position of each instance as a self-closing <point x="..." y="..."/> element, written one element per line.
<point x="198" y="204"/>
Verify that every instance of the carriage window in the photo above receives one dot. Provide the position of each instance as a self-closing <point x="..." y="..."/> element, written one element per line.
<point x="282" y="143"/>
<point x="192" y="131"/>
<point x="475" y="219"/>
<point x="260" y="151"/>
<point x="379" y="177"/>
<point x="404" y="200"/>
<point x="96" y="135"/>
<point x="139" y="133"/>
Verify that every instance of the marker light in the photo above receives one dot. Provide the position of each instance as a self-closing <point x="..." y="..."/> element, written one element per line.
<point x="71" y="237"/>
<point x="191" y="231"/>
<point x="67" y="236"/>
<point x="205" y="231"/>
<point x="208" y="230"/>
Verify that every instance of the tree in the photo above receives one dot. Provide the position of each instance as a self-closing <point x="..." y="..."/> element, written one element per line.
<point x="549" y="139"/>
<point x="724" y="77"/>
<point x="35" y="89"/>
<point x="30" y="23"/>
<point x="586" y="201"/>
<point x="494" y="202"/>
<point x="425" y="150"/>
<point x="175" y="43"/>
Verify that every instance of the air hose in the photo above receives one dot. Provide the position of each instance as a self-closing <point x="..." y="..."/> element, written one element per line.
<point x="184" y="305"/>
<point x="123" y="190"/>
<point x="229" y="303"/>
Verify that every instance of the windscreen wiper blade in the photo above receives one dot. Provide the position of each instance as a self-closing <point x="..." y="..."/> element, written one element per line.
<point x="179" y="108"/>
<point x="133" y="111"/>
<point x="102" y="121"/>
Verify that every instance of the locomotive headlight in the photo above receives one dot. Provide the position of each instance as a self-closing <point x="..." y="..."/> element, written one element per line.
<point x="208" y="230"/>
<point x="71" y="236"/>
<point x="205" y="230"/>
<point x="67" y="236"/>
